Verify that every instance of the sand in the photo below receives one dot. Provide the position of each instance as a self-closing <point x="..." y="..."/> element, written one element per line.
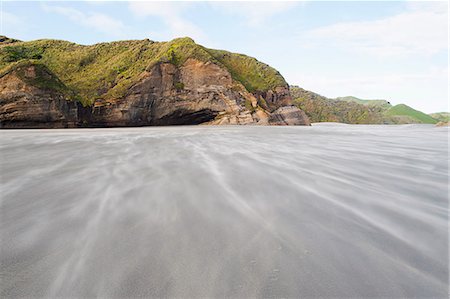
<point x="322" y="211"/>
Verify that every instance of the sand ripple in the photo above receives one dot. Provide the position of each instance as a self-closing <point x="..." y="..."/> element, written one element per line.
<point x="329" y="211"/>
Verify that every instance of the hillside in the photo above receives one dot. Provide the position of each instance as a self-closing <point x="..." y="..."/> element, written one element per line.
<point x="441" y="116"/>
<point x="322" y="109"/>
<point x="364" y="102"/>
<point x="402" y="113"/>
<point x="353" y="110"/>
<point x="6" y="40"/>
<point x="143" y="82"/>
<point x="90" y="70"/>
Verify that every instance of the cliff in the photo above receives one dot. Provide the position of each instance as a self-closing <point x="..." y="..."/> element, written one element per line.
<point x="52" y="84"/>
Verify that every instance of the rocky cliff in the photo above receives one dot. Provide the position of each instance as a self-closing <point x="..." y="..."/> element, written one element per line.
<point x="32" y="97"/>
<point x="54" y="84"/>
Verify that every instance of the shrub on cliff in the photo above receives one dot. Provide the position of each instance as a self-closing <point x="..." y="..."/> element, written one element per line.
<point x="108" y="70"/>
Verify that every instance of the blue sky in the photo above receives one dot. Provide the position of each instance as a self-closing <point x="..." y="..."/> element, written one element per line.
<point x="394" y="50"/>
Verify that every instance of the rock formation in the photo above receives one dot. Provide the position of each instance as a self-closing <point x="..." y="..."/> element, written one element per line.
<point x="25" y="104"/>
<point x="443" y="124"/>
<point x="56" y="84"/>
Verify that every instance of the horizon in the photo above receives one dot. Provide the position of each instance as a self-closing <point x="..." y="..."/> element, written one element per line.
<point x="364" y="57"/>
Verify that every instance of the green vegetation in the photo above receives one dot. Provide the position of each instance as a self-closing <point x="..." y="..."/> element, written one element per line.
<point x="441" y="116"/>
<point x="38" y="75"/>
<point x="254" y="75"/>
<point x="16" y="53"/>
<point x="179" y="85"/>
<point x="6" y="40"/>
<point x="249" y="106"/>
<point x="108" y="70"/>
<point x="262" y="103"/>
<point x="403" y="110"/>
<point x="352" y="110"/>
<point x="179" y="50"/>
<point x="322" y="109"/>
<point x="382" y="103"/>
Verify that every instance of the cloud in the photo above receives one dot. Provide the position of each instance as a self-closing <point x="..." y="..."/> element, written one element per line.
<point x="11" y="24"/>
<point x="254" y="13"/>
<point x="171" y="13"/>
<point x="9" y="20"/>
<point x="426" y="91"/>
<point x="422" y="29"/>
<point x="93" y="20"/>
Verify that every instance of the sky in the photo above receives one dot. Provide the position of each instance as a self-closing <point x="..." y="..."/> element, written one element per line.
<point x="394" y="50"/>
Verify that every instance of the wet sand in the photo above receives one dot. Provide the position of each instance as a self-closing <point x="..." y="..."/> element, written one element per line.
<point x="322" y="211"/>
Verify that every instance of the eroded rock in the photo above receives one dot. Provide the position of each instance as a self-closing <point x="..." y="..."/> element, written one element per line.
<point x="193" y="93"/>
<point x="25" y="104"/>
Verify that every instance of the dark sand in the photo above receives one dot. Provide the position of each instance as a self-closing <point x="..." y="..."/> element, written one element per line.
<point x="323" y="211"/>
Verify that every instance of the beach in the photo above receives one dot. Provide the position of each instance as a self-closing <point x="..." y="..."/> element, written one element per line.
<point x="330" y="210"/>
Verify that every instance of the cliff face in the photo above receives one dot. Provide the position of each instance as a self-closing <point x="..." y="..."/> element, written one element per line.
<point x="25" y="104"/>
<point x="194" y="93"/>
<point x="181" y="83"/>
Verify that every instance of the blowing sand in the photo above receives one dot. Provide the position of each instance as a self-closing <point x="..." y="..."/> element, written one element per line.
<point x="323" y="211"/>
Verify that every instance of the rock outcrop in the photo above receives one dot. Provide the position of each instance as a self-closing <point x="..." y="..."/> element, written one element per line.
<point x="175" y="89"/>
<point x="443" y="124"/>
<point x="288" y="115"/>
<point x="24" y="103"/>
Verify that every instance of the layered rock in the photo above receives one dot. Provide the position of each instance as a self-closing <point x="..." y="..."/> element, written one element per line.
<point x="288" y="115"/>
<point x="170" y="91"/>
<point x="194" y="93"/>
<point x="443" y="124"/>
<point x="26" y="104"/>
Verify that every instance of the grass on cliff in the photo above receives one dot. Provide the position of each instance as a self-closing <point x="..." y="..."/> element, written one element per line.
<point x="40" y="77"/>
<point x="108" y="70"/>
<point x="6" y="40"/>
<point x="253" y="74"/>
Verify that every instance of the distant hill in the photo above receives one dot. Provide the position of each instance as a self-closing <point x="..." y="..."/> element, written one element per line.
<point x="364" y="102"/>
<point x="353" y="110"/>
<point x="402" y="113"/>
<point x="441" y="116"/>
<point x="323" y="109"/>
